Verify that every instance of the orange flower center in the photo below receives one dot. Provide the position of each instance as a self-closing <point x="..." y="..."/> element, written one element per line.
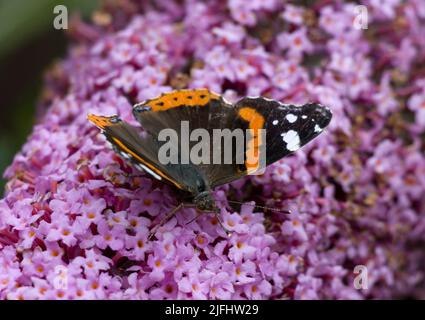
<point x="140" y="244"/>
<point x="298" y="41"/>
<point x="200" y="240"/>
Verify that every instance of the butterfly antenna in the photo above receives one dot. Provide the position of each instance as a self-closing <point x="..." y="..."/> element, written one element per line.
<point x="261" y="207"/>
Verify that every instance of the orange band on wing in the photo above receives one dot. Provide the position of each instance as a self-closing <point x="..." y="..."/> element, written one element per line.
<point x="150" y="166"/>
<point x="100" y="121"/>
<point x="255" y="123"/>
<point x="174" y="99"/>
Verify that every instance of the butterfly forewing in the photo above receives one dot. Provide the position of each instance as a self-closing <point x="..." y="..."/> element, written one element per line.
<point x="288" y="127"/>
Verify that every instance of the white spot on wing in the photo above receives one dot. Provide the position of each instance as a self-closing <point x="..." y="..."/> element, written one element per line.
<point x="275" y="122"/>
<point x="148" y="171"/>
<point x="139" y="167"/>
<point x="317" y="128"/>
<point x="125" y="155"/>
<point x="291" y="118"/>
<point x="292" y="140"/>
<point x="304" y="116"/>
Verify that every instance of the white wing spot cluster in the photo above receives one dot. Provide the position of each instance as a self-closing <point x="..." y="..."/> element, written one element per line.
<point x="291" y="118"/>
<point x="292" y="140"/>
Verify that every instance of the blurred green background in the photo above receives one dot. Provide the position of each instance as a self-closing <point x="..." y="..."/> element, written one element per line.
<point x="29" y="44"/>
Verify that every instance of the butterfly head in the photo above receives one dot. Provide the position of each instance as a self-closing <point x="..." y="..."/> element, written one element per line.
<point x="205" y="202"/>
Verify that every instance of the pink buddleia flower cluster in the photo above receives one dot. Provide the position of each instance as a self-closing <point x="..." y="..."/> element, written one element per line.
<point x="75" y="218"/>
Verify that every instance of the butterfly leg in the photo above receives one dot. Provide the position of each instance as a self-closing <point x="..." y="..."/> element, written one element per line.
<point x="196" y="216"/>
<point x="165" y="220"/>
<point x="226" y="231"/>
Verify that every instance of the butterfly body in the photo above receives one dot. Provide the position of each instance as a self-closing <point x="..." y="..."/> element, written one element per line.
<point x="284" y="129"/>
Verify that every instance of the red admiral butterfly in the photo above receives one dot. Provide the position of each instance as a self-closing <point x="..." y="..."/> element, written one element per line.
<point x="287" y="128"/>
